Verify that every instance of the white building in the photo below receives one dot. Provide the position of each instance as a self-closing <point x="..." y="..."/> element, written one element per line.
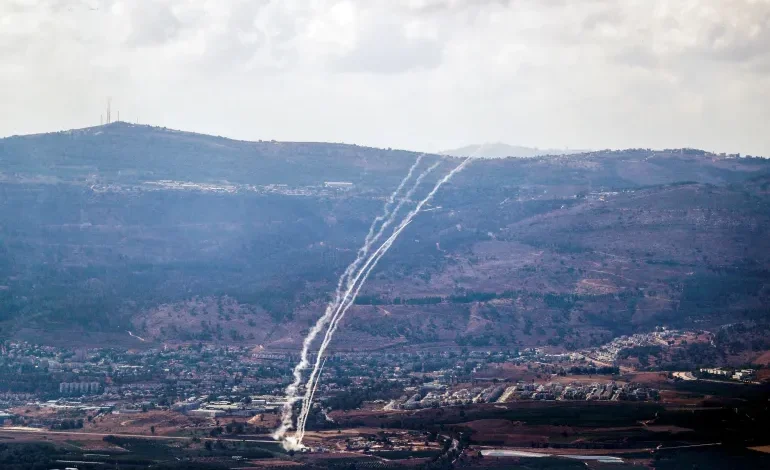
<point x="338" y="184"/>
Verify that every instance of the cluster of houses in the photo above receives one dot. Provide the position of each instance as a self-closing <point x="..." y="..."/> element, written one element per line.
<point x="224" y="406"/>
<point x="661" y="337"/>
<point x="436" y="395"/>
<point x="79" y="388"/>
<point x="327" y="188"/>
<point x="742" y="375"/>
<point x="610" y="391"/>
<point x="403" y="440"/>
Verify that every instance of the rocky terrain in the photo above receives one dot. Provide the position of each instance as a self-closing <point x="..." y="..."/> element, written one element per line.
<point x="185" y="237"/>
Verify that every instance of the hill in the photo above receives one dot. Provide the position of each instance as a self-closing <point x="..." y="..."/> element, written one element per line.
<point x="180" y="237"/>
<point x="127" y="153"/>
<point x="501" y="150"/>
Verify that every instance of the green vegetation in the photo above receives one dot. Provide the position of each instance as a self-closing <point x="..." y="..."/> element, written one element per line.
<point x="107" y="242"/>
<point x="588" y="370"/>
<point x="642" y="353"/>
<point x="405" y="454"/>
<point x="375" y="390"/>
<point x="26" y="456"/>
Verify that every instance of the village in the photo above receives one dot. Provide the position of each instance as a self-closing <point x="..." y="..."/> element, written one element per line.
<point x="213" y="381"/>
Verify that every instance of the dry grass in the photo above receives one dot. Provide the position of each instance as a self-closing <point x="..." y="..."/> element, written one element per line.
<point x="164" y="422"/>
<point x="763" y="359"/>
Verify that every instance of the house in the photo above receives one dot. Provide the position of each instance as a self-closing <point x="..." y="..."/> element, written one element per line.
<point x="338" y="184"/>
<point x="206" y="413"/>
<point x="4" y="416"/>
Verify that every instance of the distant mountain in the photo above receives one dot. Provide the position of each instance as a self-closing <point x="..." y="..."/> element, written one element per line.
<point x="501" y="150"/>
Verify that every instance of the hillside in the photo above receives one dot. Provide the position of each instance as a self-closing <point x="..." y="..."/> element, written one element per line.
<point x="179" y="237"/>
<point x="501" y="150"/>
<point x="126" y="153"/>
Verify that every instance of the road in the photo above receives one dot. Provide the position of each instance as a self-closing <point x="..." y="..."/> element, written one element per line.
<point x="36" y="432"/>
<point x="660" y="447"/>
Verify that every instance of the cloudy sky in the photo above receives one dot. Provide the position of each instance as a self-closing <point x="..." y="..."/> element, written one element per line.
<point x="418" y="74"/>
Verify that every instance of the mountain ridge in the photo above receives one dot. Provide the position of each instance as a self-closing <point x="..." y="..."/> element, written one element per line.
<point x="122" y="228"/>
<point x="502" y="150"/>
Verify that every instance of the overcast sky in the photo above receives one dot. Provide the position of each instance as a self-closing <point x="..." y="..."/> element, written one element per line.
<point x="417" y="74"/>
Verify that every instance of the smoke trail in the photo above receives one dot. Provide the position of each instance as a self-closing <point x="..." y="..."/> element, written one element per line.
<point x="370" y="236"/>
<point x="350" y="285"/>
<point x="368" y="241"/>
<point x="401" y="203"/>
<point x="315" y="386"/>
<point x="348" y="300"/>
<point x="312" y="381"/>
<point x="291" y="390"/>
<point x="286" y="422"/>
<point x="369" y="266"/>
<point x="314" y="378"/>
<point x="388" y="216"/>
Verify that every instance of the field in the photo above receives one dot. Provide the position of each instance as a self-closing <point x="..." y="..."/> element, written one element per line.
<point x="692" y="419"/>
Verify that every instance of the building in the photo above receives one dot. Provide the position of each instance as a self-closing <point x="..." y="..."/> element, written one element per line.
<point x="79" y="388"/>
<point x="4" y="416"/>
<point x="745" y="375"/>
<point x="345" y="185"/>
<point x="206" y="413"/>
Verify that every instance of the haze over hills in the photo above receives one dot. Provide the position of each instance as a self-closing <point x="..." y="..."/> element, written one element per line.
<point x="501" y="150"/>
<point x="187" y="237"/>
<point x="282" y="300"/>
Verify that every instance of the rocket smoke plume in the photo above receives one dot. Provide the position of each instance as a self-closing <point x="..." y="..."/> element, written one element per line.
<point x="351" y="284"/>
<point x="291" y="390"/>
<point x="350" y="296"/>
<point x="337" y="309"/>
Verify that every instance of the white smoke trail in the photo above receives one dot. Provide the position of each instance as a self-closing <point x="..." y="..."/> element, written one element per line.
<point x="400" y="204"/>
<point x="348" y="300"/>
<point x="366" y="270"/>
<point x="388" y="216"/>
<point x="313" y="378"/>
<point x="307" y="399"/>
<point x="315" y="386"/>
<point x="291" y="390"/>
<point x="333" y="307"/>
<point x="368" y="241"/>
<point x="370" y="236"/>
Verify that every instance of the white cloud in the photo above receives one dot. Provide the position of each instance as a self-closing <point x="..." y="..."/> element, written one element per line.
<point x="423" y="74"/>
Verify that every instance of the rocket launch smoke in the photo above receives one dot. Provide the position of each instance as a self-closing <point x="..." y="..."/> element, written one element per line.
<point x="363" y="274"/>
<point x="291" y="390"/>
<point x="336" y="310"/>
<point x="347" y="299"/>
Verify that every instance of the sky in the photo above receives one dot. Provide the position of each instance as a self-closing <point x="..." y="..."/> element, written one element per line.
<point x="417" y="74"/>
